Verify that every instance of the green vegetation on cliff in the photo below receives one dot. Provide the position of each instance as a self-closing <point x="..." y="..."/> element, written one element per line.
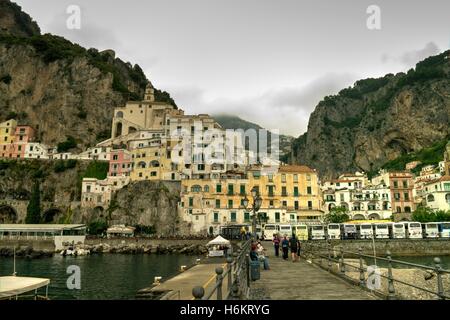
<point x="34" y="206"/>
<point x="427" y="156"/>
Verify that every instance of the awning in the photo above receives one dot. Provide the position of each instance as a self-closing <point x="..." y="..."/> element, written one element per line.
<point x="11" y="286"/>
<point x="219" y="241"/>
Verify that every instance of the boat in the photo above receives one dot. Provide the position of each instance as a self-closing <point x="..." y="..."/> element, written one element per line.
<point x="14" y="288"/>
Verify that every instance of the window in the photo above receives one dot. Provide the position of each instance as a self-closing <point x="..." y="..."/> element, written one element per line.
<point x="310" y="205"/>
<point x="406" y="195"/>
<point x="283" y="191"/>
<point x="230" y="190"/>
<point x="283" y="178"/>
<point x="206" y="188"/>
<point x="295" y="191"/>
<point x="153" y="174"/>
<point x="296" y="205"/>
<point x="430" y="198"/>
<point x="342" y="197"/>
<point x="191" y="202"/>
<point x="201" y="167"/>
<point x="233" y="216"/>
<point x="408" y="209"/>
<point x="242" y="189"/>
<point x="271" y="203"/>
<point x="277" y="217"/>
<point x="284" y="203"/>
<point x="271" y="194"/>
<point x="405" y="184"/>
<point x="270" y="176"/>
<point x="395" y="184"/>
<point x="308" y="177"/>
<point x="217" y="203"/>
<point x="196" y="188"/>
<point x="216" y="217"/>
<point x="246" y="217"/>
<point x="218" y="188"/>
<point x="399" y="209"/>
<point x="295" y="177"/>
<point x="230" y="203"/>
<point x="308" y="190"/>
<point x="242" y="203"/>
<point x="397" y="196"/>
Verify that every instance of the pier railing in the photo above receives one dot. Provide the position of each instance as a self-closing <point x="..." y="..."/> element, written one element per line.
<point x="236" y="275"/>
<point x="341" y="262"/>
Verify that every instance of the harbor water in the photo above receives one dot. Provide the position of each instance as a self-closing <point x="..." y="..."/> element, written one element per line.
<point x="103" y="277"/>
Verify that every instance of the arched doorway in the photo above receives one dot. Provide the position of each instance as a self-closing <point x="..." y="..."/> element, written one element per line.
<point x="51" y="215"/>
<point x="358" y="217"/>
<point x="374" y="216"/>
<point x="7" y="214"/>
<point x="131" y="130"/>
<point x="118" y="129"/>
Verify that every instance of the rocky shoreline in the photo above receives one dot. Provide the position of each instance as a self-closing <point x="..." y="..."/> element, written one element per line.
<point x="188" y="249"/>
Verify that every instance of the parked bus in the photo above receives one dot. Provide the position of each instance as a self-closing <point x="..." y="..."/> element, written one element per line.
<point x="285" y="229"/>
<point x="317" y="232"/>
<point x="398" y="230"/>
<point x="334" y="231"/>
<point x="348" y="231"/>
<point x="301" y="231"/>
<point x="233" y="232"/>
<point x="365" y="231"/>
<point x="430" y="230"/>
<point x="270" y="230"/>
<point x="444" y="229"/>
<point x="413" y="230"/>
<point x="381" y="230"/>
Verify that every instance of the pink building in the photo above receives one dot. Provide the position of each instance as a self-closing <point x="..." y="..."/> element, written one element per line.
<point x="120" y="163"/>
<point x="22" y="136"/>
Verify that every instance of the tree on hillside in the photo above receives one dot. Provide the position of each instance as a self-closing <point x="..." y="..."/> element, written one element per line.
<point x="426" y="214"/>
<point x="34" y="206"/>
<point x="337" y="215"/>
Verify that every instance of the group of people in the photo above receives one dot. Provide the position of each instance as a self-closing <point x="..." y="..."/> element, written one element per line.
<point x="286" y="244"/>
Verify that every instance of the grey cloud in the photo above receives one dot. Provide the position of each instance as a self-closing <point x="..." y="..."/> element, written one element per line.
<point x="285" y="109"/>
<point x="91" y="34"/>
<point x="410" y="58"/>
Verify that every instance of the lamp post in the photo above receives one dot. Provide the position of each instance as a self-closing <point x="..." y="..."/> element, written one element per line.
<point x="255" y="206"/>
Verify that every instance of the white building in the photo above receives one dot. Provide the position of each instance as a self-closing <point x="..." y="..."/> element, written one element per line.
<point x="437" y="193"/>
<point x="98" y="193"/>
<point x="95" y="153"/>
<point x="34" y="150"/>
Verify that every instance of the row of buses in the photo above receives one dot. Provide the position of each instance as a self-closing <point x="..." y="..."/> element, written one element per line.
<point x="360" y="230"/>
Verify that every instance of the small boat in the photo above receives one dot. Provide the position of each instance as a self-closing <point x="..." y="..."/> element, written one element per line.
<point x="13" y="287"/>
<point x="75" y="252"/>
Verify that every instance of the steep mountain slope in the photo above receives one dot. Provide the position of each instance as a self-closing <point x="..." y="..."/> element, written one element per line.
<point x="234" y="122"/>
<point x="378" y="120"/>
<point x="61" y="88"/>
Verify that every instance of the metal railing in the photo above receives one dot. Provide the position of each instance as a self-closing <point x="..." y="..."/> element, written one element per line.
<point x="237" y="275"/>
<point x="338" y="255"/>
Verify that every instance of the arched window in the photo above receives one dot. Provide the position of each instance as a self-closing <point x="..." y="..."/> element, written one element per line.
<point x="408" y="209"/>
<point x="154" y="164"/>
<point x="196" y="188"/>
<point x="447" y="197"/>
<point x="430" y="198"/>
<point x="142" y="165"/>
<point x="206" y="188"/>
<point x="119" y="114"/>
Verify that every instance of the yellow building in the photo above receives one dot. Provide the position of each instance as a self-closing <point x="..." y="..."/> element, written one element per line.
<point x="150" y="163"/>
<point x="7" y="131"/>
<point x="290" y="194"/>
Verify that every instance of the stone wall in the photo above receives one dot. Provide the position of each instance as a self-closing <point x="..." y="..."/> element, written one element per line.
<point x="397" y="247"/>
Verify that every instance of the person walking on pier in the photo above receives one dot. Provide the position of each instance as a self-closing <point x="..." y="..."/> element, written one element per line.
<point x="293" y="243"/>
<point x="285" y="247"/>
<point x="276" y="244"/>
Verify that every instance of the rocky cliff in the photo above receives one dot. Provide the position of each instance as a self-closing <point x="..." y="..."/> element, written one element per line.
<point x="150" y="203"/>
<point x="61" y="88"/>
<point x="378" y="120"/>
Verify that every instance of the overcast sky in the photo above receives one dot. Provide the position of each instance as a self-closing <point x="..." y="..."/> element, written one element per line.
<point x="267" y="61"/>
